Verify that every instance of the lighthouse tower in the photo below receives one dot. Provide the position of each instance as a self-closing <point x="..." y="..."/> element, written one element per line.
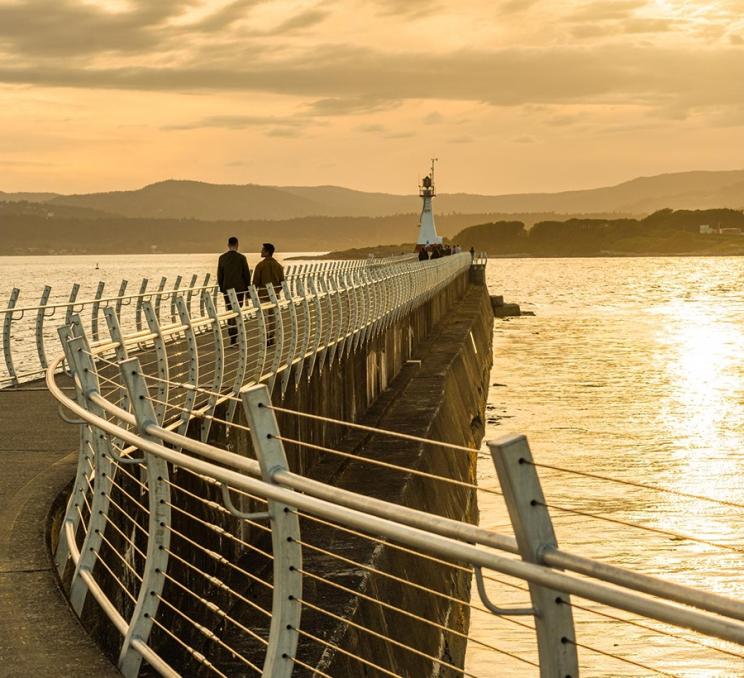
<point x="427" y="228"/>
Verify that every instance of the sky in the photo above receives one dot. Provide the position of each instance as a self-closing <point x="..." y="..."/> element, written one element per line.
<point x="509" y="95"/>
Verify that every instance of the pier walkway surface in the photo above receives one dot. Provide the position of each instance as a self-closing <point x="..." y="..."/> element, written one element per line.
<point x="40" y="634"/>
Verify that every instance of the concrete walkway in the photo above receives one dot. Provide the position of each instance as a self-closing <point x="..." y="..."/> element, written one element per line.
<point x="39" y="634"/>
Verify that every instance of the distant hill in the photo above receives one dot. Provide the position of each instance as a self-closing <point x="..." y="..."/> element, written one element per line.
<point x="180" y="199"/>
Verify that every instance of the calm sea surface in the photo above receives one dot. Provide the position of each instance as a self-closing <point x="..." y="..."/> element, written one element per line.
<point x="632" y="368"/>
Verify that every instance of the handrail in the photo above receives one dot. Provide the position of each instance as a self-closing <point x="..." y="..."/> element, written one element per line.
<point x="18" y="319"/>
<point x="414" y="529"/>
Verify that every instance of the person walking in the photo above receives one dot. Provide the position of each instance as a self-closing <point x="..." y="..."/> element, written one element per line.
<point x="423" y="256"/>
<point x="268" y="272"/>
<point x="233" y="274"/>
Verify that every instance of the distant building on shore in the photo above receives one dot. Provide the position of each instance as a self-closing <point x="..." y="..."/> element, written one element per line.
<point x="706" y="229"/>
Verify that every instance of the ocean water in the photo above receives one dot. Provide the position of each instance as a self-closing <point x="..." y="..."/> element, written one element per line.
<point x="631" y="368"/>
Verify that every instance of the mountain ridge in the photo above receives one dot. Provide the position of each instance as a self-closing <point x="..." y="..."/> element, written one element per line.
<point x="193" y="199"/>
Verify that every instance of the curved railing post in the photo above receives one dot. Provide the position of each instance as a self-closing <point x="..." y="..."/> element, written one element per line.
<point x="174" y="296"/>
<point x="140" y="301"/>
<point x="159" y="296"/>
<point x="327" y="326"/>
<point x="71" y="303"/>
<point x="161" y="358"/>
<point x="7" y="326"/>
<point x="278" y="338"/>
<point x="293" y="336"/>
<point x="237" y="307"/>
<point x="219" y="363"/>
<point x="347" y="318"/>
<point x="300" y="287"/>
<point x="367" y="307"/>
<point x="334" y="295"/>
<point x="120" y="298"/>
<point x="202" y="308"/>
<point x="318" y="328"/>
<point x="41" y="315"/>
<point x="86" y="462"/>
<point x="85" y="371"/>
<point x="95" y="310"/>
<point x="158" y="533"/>
<point x="262" y="333"/>
<point x="112" y="321"/>
<point x="285" y="532"/>
<point x="534" y="532"/>
<point x="190" y="293"/>
<point x="193" y="367"/>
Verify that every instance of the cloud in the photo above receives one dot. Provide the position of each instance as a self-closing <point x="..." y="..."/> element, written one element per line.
<point x="236" y="122"/>
<point x="26" y="163"/>
<point x="433" y="118"/>
<point x="224" y="17"/>
<point x="601" y="11"/>
<point x="347" y="80"/>
<point x="300" y="21"/>
<point x="411" y="8"/>
<point x="353" y="105"/>
<point x="516" y="6"/>
<point x="525" y="139"/>
<point x="40" y="28"/>
<point x="372" y="128"/>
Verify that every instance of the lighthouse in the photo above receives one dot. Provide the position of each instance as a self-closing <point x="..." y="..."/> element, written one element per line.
<point x="427" y="228"/>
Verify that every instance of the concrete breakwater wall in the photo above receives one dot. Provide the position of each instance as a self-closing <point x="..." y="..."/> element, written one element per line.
<point x="442" y="397"/>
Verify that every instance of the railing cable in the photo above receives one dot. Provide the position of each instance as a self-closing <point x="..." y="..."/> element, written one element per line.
<point x="654" y="530"/>
<point x="632" y="483"/>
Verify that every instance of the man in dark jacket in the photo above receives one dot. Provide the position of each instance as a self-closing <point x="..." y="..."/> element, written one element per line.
<point x="233" y="274"/>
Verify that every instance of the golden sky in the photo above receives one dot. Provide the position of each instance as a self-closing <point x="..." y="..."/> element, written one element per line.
<point x="510" y="95"/>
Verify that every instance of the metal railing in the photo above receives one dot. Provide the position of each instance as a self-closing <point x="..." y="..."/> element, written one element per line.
<point x="225" y="561"/>
<point x="152" y="510"/>
<point x="27" y="332"/>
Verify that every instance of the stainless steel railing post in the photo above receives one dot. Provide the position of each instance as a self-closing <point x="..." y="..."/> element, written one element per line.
<point x="161" y="358"/>
<point x="534" y="532"/>
<point x="140" y="300"/>
<point x="240" y="368"/>
<point x="158" y="533"/>
<point x="285" y="531"/>
<point x="262" y="332"/>
<point x="293" y="336"/>
<point x="95" y="309"/>
<point x="41" y="315"/>
<point x="86" y="373"/>
<point x="275" y="335"/>
<point x="193" y="364"/>
<point x="219" y="362"/>
<point x="86" y="462"/>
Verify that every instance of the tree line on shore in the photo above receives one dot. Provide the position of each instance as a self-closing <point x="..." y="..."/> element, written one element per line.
<point x="666" y="231"/>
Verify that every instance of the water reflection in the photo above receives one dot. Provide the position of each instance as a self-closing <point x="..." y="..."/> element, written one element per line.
<point x="631" y="368"/>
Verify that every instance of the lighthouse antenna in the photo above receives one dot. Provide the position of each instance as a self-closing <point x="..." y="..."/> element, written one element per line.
<point x="433" y="160"/>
